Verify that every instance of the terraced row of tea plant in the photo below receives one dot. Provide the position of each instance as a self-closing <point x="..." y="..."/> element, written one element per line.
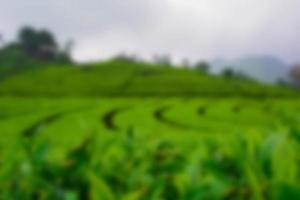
<point x="152" y="148"/>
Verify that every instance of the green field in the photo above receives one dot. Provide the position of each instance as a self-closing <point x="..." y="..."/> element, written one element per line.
<point x="149" y="148"/>
<point x="131" y="130"/>
<point x="115" y="78"/>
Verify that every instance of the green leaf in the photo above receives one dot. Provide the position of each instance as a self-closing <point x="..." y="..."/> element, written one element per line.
<point x="99" y="189"/>
<point x="287" y="192"/>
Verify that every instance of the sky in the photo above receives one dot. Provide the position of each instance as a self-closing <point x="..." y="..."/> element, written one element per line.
<point x="192" y="29"/>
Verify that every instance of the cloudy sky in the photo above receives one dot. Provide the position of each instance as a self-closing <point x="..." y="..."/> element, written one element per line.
<point x="194" y="29"/>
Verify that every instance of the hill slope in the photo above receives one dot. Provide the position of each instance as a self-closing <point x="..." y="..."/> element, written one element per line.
<point x="123" y="78"/>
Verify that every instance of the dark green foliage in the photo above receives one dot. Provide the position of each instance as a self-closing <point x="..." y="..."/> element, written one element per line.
<point x="202" y="66"/>
<point x="286" y="191"/>
<point x="12" y="56"/>
<point x="50" y="180"/>
<point x="143" y="172"/>
<point x="228" y="73"/>
<point x="123" y="57"/>
<point x="34" y="48"/>
<point x="38" y="44"/>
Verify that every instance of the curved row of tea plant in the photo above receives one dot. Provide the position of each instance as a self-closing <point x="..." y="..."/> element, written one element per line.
<point x="149" y="149"/>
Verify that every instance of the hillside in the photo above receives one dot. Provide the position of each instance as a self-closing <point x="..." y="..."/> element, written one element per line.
<point x="124" y="78"/>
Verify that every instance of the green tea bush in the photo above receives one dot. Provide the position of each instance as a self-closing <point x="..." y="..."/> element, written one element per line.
<point x="137" y="167"/>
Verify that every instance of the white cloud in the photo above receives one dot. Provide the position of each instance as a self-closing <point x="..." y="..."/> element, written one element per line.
<point x="198" y="29"/>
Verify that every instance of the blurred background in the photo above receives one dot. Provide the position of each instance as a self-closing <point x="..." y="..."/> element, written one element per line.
<point x="149" y="100"/>
<point x="259" y="38"/>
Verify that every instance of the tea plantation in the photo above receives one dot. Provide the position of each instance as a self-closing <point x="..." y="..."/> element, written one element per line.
<point x="150" y="148"/>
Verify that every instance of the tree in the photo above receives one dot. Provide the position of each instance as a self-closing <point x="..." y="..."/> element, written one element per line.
<point x="228" y="72"/>
<point x="47" y="45"/>
<point x="163" y="60"/>
<point x="38" y="44"/>
<point x="282" y="82"/>
<point x="64" y="55"/>
<point x="123" y="56"/>
<point x="243" y="76"/>
<point x="202" y="66"/>
<point x="28" y="40"/>
<point x="295" y="74"/>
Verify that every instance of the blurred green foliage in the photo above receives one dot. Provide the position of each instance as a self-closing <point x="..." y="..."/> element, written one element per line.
<point x="134" y="167"/>
<point x="236" y="149"/>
